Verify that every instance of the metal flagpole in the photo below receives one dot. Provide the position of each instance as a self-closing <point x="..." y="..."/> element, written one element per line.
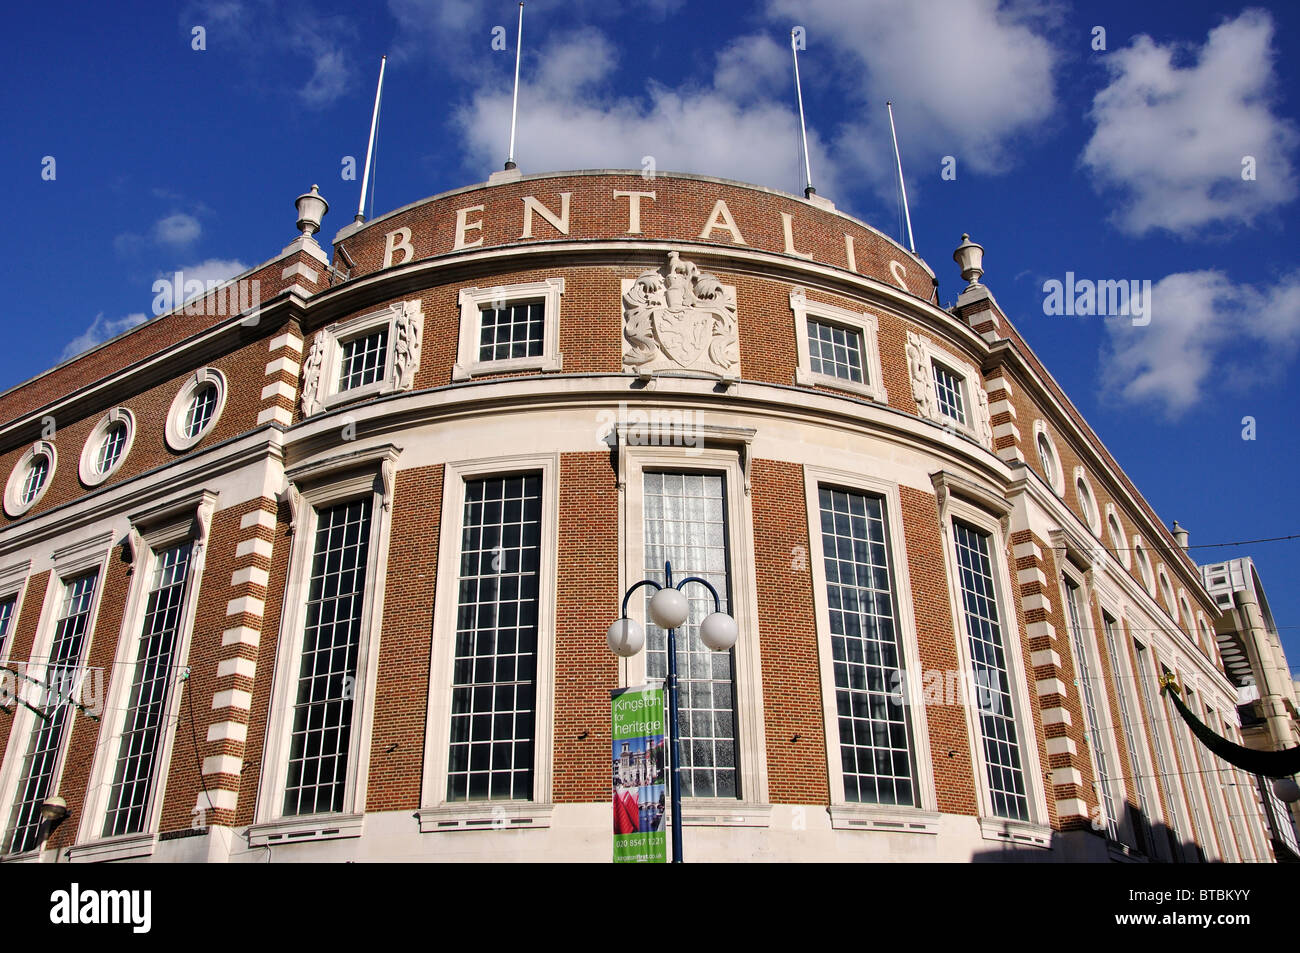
<point x="370" y="149"/>
<point x="514" y="108"/>
<point x="901" y="184"/>
<point x="803" y="131"/>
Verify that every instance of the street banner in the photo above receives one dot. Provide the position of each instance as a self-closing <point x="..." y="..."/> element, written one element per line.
<point x="639" y="770"/>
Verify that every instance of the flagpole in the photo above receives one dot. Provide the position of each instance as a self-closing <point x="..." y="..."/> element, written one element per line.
<point x="803" y="131"/>
<point x="901" y="184"/>
<point x="370" y="149"/>
<point x="514" y="108"/>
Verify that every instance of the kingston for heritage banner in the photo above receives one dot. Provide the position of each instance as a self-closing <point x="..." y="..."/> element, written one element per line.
<point x="639" y="771"/>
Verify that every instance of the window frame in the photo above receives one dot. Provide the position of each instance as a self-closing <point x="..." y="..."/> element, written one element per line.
<point x="174" y="432"/>
<point x="923" y="817"/>
<point x="473" y="301"/>
<point x="88" y="467"/>
<point x="922" y="355"/>
<point x="994" y="827"/>
<point x="311" y="488"/>
<point x="1115" y="529"/>
<point x="436" y="813"/>
<point x="1055" y="480"/>
<point x="323" y="364"/>
<point x="71" y="563"/>
<point x="1128" y="719"/>
<point x="727" y="455"/>
<point x="1090" y="511"/>
<point x="863" y="323"/>
<point x="1146" y="571"/>
<point x="159" y="528"/>
<point x="13" y="501"/>
<point x="1087" y="639"/>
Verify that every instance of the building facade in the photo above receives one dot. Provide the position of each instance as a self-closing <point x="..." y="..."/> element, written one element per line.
<point x="323" y="571"/>
<point x="1256" y="664"/>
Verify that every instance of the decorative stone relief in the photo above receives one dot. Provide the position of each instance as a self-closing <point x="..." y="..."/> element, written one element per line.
<point x="918" y="363"/>
<point x="680" y="318"/>
<point x="313" y="380"/>
<point x="407" y="331"/>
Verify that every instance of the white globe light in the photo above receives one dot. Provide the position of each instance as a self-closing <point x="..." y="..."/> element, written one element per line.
<point x="1287" y="790"/>
<point x="719" y="631"/>
<point x="625" y="637"/>
<point x="669" y="608"/>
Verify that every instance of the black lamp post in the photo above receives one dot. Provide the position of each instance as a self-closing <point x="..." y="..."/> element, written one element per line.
<point x="668" y="610"/>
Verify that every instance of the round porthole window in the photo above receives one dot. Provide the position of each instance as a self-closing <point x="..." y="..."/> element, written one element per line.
<point x="30" y="478"/>
<point x="196" y="408"/>
<point x="107" y="446"/>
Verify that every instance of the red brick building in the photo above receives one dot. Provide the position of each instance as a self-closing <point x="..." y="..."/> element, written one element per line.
<point x="321" y="564"/>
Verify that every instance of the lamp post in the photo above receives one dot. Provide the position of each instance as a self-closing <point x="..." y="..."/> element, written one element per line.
<point x="668" y="610"/>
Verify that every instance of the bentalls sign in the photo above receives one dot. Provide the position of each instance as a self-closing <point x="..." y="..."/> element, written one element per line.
<point x="622" y="207"/>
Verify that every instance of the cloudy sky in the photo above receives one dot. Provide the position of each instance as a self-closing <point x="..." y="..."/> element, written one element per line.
<point x="1149" y="141"/>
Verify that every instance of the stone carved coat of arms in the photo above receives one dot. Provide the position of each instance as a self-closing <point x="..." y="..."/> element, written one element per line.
<point x="680" y="318"/>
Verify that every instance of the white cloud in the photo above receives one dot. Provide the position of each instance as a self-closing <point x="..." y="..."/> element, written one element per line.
<point x="968" y="78"/>
<point x="211" y="269"/>
<point x="325" y="42"/>
<point x="566" y="121"/>
<point x="99" y="332"/>
<point x="176" y="230"/>
<point x="1171" y="138"/>
<point x="1204" y="330"/>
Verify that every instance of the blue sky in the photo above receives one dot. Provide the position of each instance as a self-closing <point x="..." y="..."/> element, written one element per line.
<point x="1122" y="163"/>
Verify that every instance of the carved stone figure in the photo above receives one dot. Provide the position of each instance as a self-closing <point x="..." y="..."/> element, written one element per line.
<point x="311" y="378"/>
<point x="983" y="422"/>
<point x="406" y="348"/>
<point x="680" y="317"/>
<point x="919" y="364"/>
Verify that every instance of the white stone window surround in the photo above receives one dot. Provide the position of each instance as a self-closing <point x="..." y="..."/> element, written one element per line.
<point x="923" y="353"/>
<point x="1091" y="637"/>
<point x="1055" y="479"/>
<point x="88" y="468"/>
<point x="924" y="817"/>
<point x="179" y="410"/>
<point x="1146" y="572"/>
<point x="722" y="454"/>
<point x="988" y="512"/>
<point x="1090" y="511"/>
<point x="473" y="301"/>
<point x="13" y="501"/>
<point x="75" y="560"/>
<point x="1167" y="592"/>
<point x="312" y="487"/>
<point x="862" y="323"/>
<point x="13" y="585"/>
<point x="323" y="365"/>
<point x="158" y="528"/>
<point x="1115" y="529"/>
<point x="437" y="813"/>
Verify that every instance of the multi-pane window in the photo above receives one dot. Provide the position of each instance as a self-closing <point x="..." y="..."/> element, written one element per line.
<point x="686" y="524"/>
<point x="6" y="619"/>
<point x="1158" y="745"/>
<point x="991" y="674"/>
<point x="513" y="330"/>
<point x="200" y="410"/>
<point x="62" y="678"/>
<point x="494" y="671"/>
<point x="875" y="748"/>
<point x="364" y="359"/>
<point x="322" y="714"/>
<point x="1184" y="756"/>
<point x="948" y="391"/>
<point x="38" y="471"/>
<point x="1212" y="791"/>
<point x="835" y="351"/>
<point x="142" y="732"/>
<point x="110" y="447"/>
<point x="1141" y="823"/>
<point x="1089" y="686"/>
